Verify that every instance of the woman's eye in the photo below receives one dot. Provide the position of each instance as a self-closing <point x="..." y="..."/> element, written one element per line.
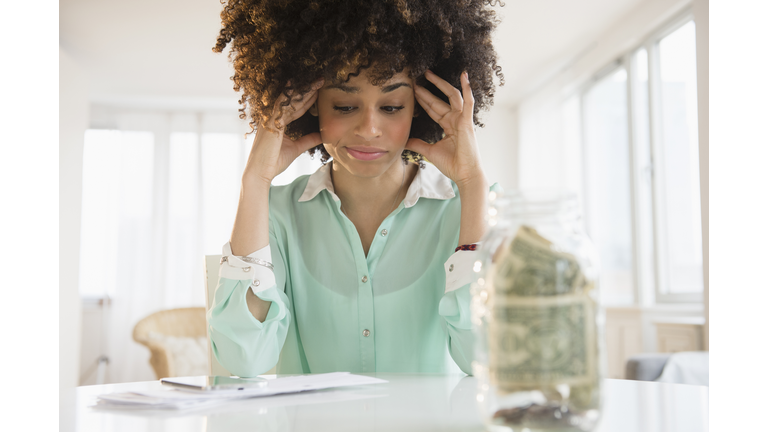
<point x="343" y="109"/>
<point x="392" y="109"/>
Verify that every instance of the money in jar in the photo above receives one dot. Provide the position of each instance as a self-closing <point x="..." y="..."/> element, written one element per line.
<point x="539" y="357"/>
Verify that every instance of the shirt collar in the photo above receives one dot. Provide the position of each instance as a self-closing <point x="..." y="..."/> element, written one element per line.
<point x="319" y="180"/>
<point x="428" y="183"/>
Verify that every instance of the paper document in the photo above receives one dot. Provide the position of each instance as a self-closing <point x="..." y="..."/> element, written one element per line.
<point x="174" y="398"/>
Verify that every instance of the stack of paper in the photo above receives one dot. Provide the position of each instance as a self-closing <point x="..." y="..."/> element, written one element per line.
<point x="172" y="398"/>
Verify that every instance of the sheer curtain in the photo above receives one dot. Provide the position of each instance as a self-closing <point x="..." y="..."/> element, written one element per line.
<point x="160" y="191"/>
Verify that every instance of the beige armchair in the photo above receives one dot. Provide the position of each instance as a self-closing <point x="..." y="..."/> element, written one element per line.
<point x="157" y="328"/>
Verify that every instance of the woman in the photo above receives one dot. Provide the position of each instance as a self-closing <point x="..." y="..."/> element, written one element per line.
<point x="363" y="266"/>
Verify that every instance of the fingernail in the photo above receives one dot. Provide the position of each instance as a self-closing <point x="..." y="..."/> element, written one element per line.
<point x="466" y="77"/>
<point x="318" y="84"/>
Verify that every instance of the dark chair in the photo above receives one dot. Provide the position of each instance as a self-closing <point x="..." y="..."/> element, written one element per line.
<point x="647" y="366"/>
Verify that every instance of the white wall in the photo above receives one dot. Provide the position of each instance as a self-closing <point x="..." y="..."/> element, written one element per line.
<point x="498" y="146"/>
<point x="73" y="121"/>
<point x="542" y="143"/>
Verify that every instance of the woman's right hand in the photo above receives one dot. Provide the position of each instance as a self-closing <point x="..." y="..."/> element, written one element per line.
<point x="272" y="151"/>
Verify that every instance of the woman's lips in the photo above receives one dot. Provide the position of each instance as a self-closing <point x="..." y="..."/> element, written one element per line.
<point x="365" y="153"/>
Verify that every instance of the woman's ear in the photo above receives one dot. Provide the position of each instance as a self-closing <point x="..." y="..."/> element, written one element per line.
<point x="313" y="109"/>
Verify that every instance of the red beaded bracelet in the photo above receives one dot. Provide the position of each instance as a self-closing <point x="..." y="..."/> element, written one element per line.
<point x="468" y="247"/>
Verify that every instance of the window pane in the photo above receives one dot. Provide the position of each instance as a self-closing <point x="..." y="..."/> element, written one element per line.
<point x="641" y="129"/>
<point x="184" y="236"/>
<point x="183" y="178"/>
<point x="679" y="156"/>
<point x="116" y="207"/>
<point x="608" y="207"/>
<point x="222" y="172"/>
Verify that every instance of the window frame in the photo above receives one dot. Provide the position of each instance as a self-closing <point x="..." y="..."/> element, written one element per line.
<point x="649" y="278"/>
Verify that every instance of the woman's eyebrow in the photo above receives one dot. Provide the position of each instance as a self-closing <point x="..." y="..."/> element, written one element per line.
<point x="395" y="86"/>
<point x="345" y="88"/>
<point x="352" y="89"/>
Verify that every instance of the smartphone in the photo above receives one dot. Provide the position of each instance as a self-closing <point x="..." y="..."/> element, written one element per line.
<point x="213" y="383"/>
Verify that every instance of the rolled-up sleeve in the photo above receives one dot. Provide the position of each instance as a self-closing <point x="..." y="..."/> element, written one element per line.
<point x="241" y="343"/>
<point x="454" y="308"/>
<point x="455" y="304"/>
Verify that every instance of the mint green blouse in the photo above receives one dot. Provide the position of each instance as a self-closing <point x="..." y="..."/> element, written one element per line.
<point x="402" y="308"/>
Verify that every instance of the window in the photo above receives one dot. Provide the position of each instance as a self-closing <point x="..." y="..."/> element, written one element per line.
<point x="155" y="202"/>
<point x="641" y="171"/>
<point x="607" y="202"/>
<point x="117" y="206"/>
<point x="677" y="154"/>
<point x="160" y="191"/>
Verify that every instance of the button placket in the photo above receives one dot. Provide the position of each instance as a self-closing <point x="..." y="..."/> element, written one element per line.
<point x="365" y="314"/>
<point x="381" y="237"/>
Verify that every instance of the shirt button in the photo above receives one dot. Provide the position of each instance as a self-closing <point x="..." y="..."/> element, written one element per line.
<point x="366" y="333"/>
<point x="450" y="268"/>
<point x="365" y="279"/>
<point x="384" y="232"/>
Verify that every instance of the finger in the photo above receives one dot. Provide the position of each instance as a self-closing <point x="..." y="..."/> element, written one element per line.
<point x="280" y="110"/>
<point x="312" y="90"/>
<point x="431" y="103"/>
<point x="419" y="146"/>
<point x="454" y="95"/>
<point x="435" y="102"/>
<point x="307" y="142"/>
<point x="298" y="100"/>
<point x="288" y="95"/>
<point x="299" y="105"/>
<point x="308" y="103"/>
<point x="469" y="98"/>
<point x="300" y="108"/>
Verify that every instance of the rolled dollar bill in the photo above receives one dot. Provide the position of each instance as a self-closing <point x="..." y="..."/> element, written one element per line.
<point x="542" y="332"/>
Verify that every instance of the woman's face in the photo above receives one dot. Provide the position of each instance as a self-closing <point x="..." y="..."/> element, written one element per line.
<point x="365" y="127"/>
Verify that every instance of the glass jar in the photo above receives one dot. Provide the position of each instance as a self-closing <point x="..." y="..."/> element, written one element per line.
<point x="539" y="358"/>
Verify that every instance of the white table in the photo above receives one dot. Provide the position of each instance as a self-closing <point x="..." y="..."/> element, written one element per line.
<point x="409" y="402"/>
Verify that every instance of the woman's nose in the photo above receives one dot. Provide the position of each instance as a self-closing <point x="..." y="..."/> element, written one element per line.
<point x="368" y="128"/>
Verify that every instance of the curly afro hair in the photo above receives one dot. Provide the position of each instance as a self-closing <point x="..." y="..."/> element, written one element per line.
<point x="274" y="42"/>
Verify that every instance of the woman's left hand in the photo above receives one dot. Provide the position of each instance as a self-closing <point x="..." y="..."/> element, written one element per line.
<point x="456" y="155"/>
